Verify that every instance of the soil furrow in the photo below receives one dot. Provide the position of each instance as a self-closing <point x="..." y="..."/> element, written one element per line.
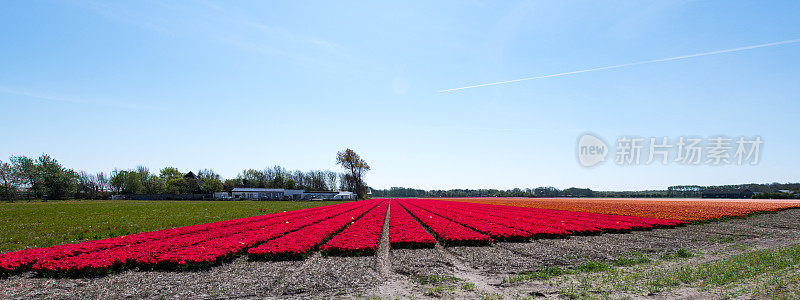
<point x="383" y="257"/>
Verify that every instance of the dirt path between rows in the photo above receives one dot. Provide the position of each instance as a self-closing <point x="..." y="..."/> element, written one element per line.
<point x="465" y="272"/>
<point x="393" y="284"/>
<point x="383" y="256"/>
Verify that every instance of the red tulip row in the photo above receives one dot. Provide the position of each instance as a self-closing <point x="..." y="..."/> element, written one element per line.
<point x="549" y="219"/>
<point x="298" y="244"/>
<point x="673" y="209"/>
<point x="199" y="244"/>
<point x="497" y="221"/>
<point x="538" y="225"/>
<point x="405" y="232"/>
<point x="213" y="250"/>
<point x="580" y="221"/>
<point x="22" y="259"/>
<point x="450" y="233"/>
<point x="496" y="227"/>
<point x="361" y="237"/>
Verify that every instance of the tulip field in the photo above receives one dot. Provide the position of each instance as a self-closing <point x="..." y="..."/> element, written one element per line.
<point x="355" y="229"/>
<point x="667" y="208"/>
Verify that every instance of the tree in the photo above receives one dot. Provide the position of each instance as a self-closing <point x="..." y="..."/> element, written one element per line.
<point x="344" y="183"/>
<point x="210" y="182"/>
<point x="8" y="182"/>
<point x="28" y="174"/>
<point x="178" y="186"/>
<point x="578" y="192"/>
<point x="57" y="181"/>
<point x="211" y="186"/>
<point x="230" y="184"/>
<point x="117" y="181"/>
<point x="300" y="180"/>
<point x="277" y="177"/>
<point x="289" y="184"/>
<point x="190" y="186"/>
<point x="126" y="182"/>
<point x="169" y="173"/>
<point x="546" y="192"/>
<point x="348" y="184"/>
<point x="175" y="185"/>
<point x="87" y="185"/>
<point x="315" y="180"/>
<point x="153" y="184"/>
<point x="253" y="178"/>
<point x="102" y="182"/>
<point x="331" y="180"/>
<point x="150" y="183"/>
<point x="353" y="163"/>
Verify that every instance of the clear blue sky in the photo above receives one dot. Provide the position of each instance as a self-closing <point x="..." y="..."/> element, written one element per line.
<point x="245" y="84"/>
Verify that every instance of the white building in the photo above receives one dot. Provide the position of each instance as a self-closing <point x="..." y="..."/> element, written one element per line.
<point x="257" y="194"/>
<point x="281" y="194"/>
<point x="328" y="196"/>
<point x="319" y="195"/>
<point x="345" y="196"/>
<point x="222" y="196"/>
<point x="293" y="194"/>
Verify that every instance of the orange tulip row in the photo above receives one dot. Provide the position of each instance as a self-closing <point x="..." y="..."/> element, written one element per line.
<point x="667" y="208"/>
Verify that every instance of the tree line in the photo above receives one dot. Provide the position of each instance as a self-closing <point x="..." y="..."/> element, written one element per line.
<point x="768" y="190"/>
<point x="517" y="192"/>
<point x="23" y="177"/>
<point x="43" y="177"/>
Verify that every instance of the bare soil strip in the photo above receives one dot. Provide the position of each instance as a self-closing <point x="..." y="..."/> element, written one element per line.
<point x="308" y="262"/>
<point x="383" y="255"/>
<point x="464" y="271"/>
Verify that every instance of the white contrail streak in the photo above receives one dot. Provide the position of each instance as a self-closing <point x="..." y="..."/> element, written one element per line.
<point x="42" y="96"/>
<point x="631" y="64"/>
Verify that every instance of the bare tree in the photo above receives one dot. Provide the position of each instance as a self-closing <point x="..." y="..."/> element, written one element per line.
<point x="210" y="181"/>
<point x="208" y="174"/>
<point x="278" y="177"/>
<point x="343" y="182"/>
<point x="268" y="176"/>
<point x="331" y="180"/>
<point x="102" y="182"/>
<point x="316" y="180"/>
<point x="87" y="185"/>
<point x="300" y="180"/>
<point x="353" y="163"/>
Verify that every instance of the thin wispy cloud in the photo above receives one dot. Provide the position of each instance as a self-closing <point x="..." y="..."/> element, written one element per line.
<point x="631" y="64"/>
<point x="75" y="100"/>
<point x="225" y="24"/>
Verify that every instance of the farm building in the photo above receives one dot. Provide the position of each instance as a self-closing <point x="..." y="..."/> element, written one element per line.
<point x="282" y="194"/>
<point x="257" y="193"/>
<point x="329" y="195"/>
<point x="319" y="195"/>
<point x="728" y="193"/>
<point x="222" y="196"/>
<point x="345" y="196"/>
